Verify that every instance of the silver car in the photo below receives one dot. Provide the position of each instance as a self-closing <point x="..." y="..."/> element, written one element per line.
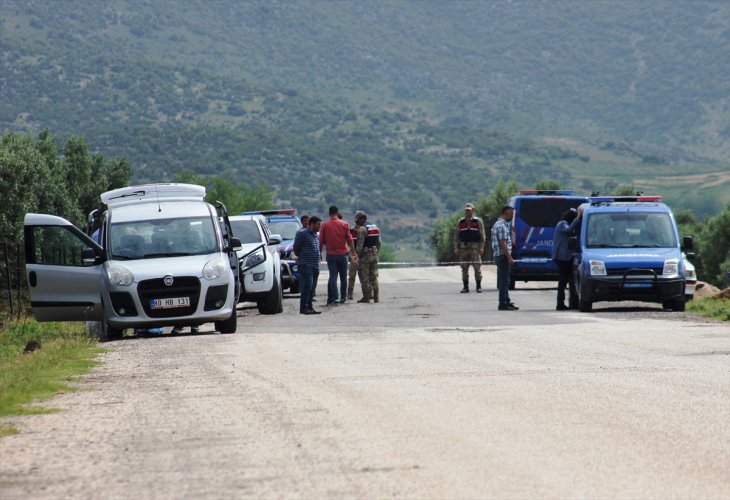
<point x="159" y="258"/>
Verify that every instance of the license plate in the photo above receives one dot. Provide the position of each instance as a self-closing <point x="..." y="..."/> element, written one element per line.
<point x="534" y="260"/>
<point x="170" y="303"/>
<point x="637" y="285"/>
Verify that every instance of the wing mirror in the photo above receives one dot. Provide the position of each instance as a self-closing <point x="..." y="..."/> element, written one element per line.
<point x="687" y="243"/>
<point x="234" y="244"/>
<point x="275" y="239"/>
<point x="89" y="257"/>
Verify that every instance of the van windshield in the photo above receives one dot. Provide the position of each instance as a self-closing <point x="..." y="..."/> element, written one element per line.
<point x="630" y="230"/>
<point x="545" y="212"/>
<point x="162" y="238"/>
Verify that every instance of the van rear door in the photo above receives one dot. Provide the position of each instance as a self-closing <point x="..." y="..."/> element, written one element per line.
<point x="64" y="270"/>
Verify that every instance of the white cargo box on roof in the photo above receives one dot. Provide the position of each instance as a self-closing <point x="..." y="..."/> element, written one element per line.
<point x="153" y="193"/>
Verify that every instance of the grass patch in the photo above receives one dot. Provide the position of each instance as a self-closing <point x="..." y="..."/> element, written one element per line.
<point x="66" y="351"/>
<point x="710" y="307"/>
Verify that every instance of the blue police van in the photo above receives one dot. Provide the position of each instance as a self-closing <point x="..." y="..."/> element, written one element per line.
<point x="537" y="212"/>
<point x="629" y="249"/>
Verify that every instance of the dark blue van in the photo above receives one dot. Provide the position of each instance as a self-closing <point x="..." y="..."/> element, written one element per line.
<point x="537" y="212"/>
<point x="629" y="249"/>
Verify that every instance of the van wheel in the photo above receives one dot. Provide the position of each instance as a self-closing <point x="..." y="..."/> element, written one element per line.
<point x="272" y="303"/>
<point x="585" y="306"/>
<point x="228" y="325"/>
<point x="678" y="305"/>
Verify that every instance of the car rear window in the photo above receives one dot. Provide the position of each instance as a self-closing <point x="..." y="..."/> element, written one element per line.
<point x="246" y="230"/>
<point x="544" y="212"/>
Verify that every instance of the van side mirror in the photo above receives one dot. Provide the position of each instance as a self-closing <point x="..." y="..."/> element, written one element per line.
<point x="687" y="243"/>
<point x="234" y="244"/>
<point x="690" y="255"/>
<point x="89" y="257"/>
<point x="573" y="244"/>
<point x="275" y="239"/>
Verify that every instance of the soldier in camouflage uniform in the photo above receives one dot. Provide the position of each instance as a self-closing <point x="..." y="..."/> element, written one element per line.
<point x="367" y="249"/>
<point x="469" y="240"/>
<point x="351" y="277"/>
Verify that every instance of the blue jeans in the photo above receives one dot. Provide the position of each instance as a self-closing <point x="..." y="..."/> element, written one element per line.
<point x="337" y="265"/>
<point x="307" y="283"/>
<point x="503" y="280"/>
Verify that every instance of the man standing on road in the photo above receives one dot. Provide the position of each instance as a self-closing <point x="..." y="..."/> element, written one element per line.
<point x="367" y="249"/>
<point x="306" y="248"/>
<point x="501" y="246"/>
<point x="563" y="257"/>
<point x="469" y="246"/>
<point x="335" y="235"/>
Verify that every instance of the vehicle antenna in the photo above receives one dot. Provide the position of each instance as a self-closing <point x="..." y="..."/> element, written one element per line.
<point x="157" y="192"/>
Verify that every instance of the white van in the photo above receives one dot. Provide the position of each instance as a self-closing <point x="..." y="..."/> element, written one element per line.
<point x="160" y="258"/>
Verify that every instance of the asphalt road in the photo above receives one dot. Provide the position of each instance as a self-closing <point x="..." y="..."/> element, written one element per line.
<point x="429" y="394"/>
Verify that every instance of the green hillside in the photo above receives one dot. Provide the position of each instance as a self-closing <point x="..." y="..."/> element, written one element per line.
<point x="405" y="109"/>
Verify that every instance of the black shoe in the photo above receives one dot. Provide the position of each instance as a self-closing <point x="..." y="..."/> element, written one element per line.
<point x="479" y="290"/>
<point x="310" y="311"/>
<point x="341" y="301"/>
<point x="562" y="307"/>
<point x="513" y="305"/>
<point x="464" y="290"/>
<point x="331" y="301"/>
<point x="508" y="307"/>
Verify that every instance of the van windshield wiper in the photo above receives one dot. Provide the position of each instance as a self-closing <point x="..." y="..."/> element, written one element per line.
<point x="121" y="257"/>
<point x="166" y="254"/>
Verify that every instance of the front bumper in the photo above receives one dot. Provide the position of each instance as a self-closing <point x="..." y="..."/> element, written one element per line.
<point x="289" y="273"/>
<point x="639" y="288"/>
<point x="131" y="307"/>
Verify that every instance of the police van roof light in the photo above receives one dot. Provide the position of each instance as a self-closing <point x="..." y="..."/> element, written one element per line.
<point x="610" y="199"/>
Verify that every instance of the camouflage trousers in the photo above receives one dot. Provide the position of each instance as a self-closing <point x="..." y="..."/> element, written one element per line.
<point x="368" y="273"/>
<point x="351" y="278"/>
<point x="469" y="256"/>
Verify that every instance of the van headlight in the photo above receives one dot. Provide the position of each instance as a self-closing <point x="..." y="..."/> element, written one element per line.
<point x="598" y="268"/>
<point x="671" y="266"/>
<point x="120" y="275"/>
<point x="690" y="274"/>
<point x="253" y="259"/>
<point x="214" y="268"/>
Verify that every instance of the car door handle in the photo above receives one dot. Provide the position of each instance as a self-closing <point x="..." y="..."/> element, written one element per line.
<point x="32" y="278"/>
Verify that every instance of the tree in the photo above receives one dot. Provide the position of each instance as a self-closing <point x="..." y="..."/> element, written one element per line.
<point x="236" y="197"/>
<point x="714" y="249"/>
<point x="548" y="185"/>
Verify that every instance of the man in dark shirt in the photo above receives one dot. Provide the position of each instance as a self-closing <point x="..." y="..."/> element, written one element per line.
<point x="306" y="248"/>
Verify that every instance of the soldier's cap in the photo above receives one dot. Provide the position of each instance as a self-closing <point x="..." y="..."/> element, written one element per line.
<point x="359" y="214"/>
<point x="468" y="206"/>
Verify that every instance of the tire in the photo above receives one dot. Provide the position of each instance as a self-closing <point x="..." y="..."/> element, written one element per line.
<point x="272" y="304"/>
<point x="667" y="304"/>
<point x="109" y="332"/>
<point x="679" y="305"/>
<point x="228" y="325"/>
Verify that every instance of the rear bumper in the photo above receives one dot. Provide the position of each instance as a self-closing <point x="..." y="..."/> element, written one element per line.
<point x="645" y="289"/>
<point x="289" y="273"/>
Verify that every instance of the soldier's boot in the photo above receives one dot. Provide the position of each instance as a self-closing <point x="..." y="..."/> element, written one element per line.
<point x="365" y="297"/>
<point x="466" y="287"/>
<point x="350" y="291"/>
<point x="479" y="286"/>
<point x="376" y="296"/>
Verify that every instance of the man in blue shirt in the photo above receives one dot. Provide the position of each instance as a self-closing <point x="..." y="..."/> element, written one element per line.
<point x="306" y="248"/>
<point x="567" y="227"/>
<point x="501" y="247"/>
